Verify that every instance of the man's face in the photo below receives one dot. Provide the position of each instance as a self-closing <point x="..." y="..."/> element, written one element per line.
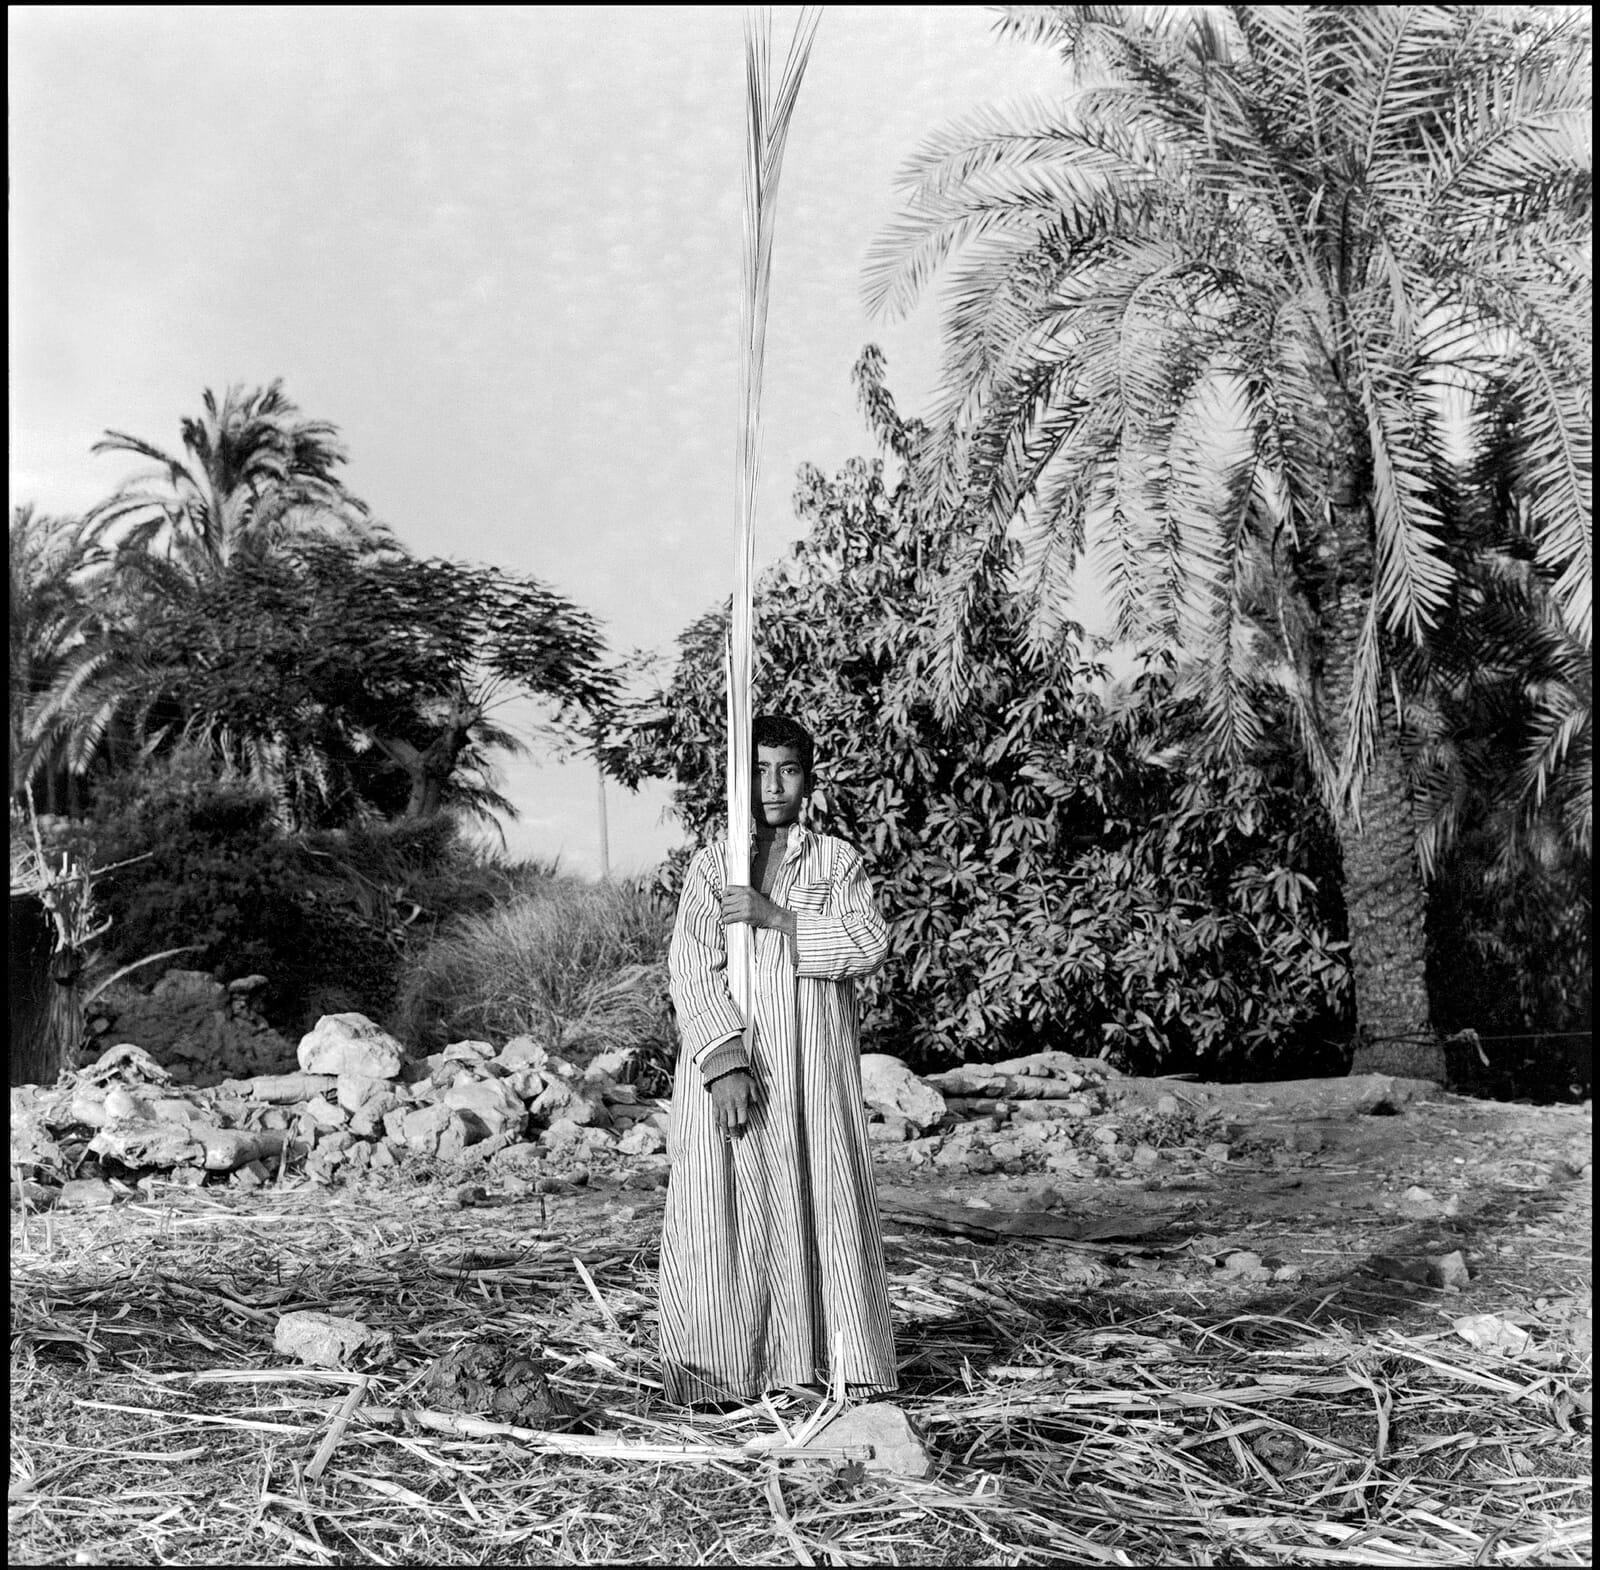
<point x="780" y="786"/>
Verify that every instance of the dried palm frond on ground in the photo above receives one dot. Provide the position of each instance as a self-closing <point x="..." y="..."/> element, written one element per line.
<point x="1072" y="1411"/>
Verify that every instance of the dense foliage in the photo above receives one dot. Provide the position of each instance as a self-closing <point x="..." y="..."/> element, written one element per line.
<point x="1052" y="873"/>
<point x="331" y="918"/>
<point x="238" y="598"/>
<point x="1214" y="312"/>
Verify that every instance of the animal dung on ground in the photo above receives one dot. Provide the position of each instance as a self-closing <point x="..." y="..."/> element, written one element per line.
<point x="494" y="1377"/>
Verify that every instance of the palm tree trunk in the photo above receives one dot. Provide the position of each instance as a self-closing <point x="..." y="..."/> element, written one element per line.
<point x="1385" y="899"/>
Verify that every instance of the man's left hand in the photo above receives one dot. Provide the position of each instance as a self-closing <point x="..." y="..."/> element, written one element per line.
<point x="742" y="903"/>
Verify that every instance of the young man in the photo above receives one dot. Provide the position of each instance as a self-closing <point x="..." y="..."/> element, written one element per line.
<point x="771" y="1250"/>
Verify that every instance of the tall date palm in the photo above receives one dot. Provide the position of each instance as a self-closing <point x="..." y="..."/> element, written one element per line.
<point x="1208" y="319"/>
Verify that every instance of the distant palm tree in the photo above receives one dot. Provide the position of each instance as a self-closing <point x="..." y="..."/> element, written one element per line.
<point x="52" y="614"/>
<point x="253" y="472"/>
<point x="1206" y="321"/>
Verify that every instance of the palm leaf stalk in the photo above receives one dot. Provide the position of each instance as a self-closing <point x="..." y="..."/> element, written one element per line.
<point x="767" y="115"/>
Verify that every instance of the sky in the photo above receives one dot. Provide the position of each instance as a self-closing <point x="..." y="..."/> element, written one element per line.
<point x="498" y="248"/>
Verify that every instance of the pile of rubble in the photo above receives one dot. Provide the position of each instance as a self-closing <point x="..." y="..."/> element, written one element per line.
<point x="355" y="1105"/>
<point x="527" y="1119"/>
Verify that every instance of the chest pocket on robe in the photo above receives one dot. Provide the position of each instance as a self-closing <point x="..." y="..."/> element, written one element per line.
<point x="812" y="898"/>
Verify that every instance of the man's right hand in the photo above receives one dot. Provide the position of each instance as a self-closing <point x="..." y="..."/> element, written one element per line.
<point x="732" y="1097"/>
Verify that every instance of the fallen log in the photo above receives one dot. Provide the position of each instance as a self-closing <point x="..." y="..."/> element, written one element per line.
<point x="974" y="1080"/>
<point x="281" y="1089"/>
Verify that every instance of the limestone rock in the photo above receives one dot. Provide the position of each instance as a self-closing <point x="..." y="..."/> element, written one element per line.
<point x="522" y="1052"/>
<point x="349" y="1044"/>
<point x="886" y="1083"/>
<point x="325" y="1114"/>
<point x="563" y="1102"/>
<point x="85" y="1194"/>
<point x="886" y="1431"/>
<point x="140" y="1142"/>
<point x="463" y="1129"/>
<point x="470" y="1052"/>
<point x="421" y="1128"/>
<point x="356" y="1091"/>
<point x="496" y="1106"/>
<point x="643" y="1139"/>
<point x="327" y="1340"/>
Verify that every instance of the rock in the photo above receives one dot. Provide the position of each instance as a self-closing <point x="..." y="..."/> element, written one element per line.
<point x="1217" y="1151"/>
<point x="421" y="1128"/>
<point x="1491" y="1333"/>
<point x="1146" y="1156"/>
<point x="86" y="1194"/>
<point x="1287" y="1273"/>
<point x="32" y="1197"/>
<point x="1068" y="1163"/>
<point x="355" y="1092"/>
<point x="491" y="1101"/>
<point x="224" y="1149"/>
<point x="1449" y="1271"/>
<point x="522" y="1052"/>
<point x="470" y="1051"/>
<point x="886" y="1083"/>
<point x="1168" y="1106"/>
<point x="327" y="1340"/>
<point x="463" y="1129"/>
<point x="609" y="1067"/>
<point x="383" y="1159"/>
<point x="349" y="1044"/>
<point x="325" y="1114"/>
<point x="642" y="1140"/>
<point x="1106" y="1137"/>
<point x="137" y="1142"/>
<point x="892" y="1130"/>
<point x="886" y="1430"/>
<point x="1419" y="1202"/>
<point x="1246" y="1265"/>
<point x="561" y="1102"/>
<point x="374" y="1115"/>
<point x="243" y="986"/>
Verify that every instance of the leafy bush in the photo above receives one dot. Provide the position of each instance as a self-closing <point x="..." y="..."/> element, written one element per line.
<point x="578" y="966"/>
<point x="328" y="918"/>
<point x="1054" y="871"/>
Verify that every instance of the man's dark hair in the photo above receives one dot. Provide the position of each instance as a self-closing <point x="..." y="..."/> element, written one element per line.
<point x="778" y="730"/>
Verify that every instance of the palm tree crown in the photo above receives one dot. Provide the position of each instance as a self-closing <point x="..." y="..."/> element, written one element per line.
<point x="253" y="472"/>
<point x="1221" y="290"/>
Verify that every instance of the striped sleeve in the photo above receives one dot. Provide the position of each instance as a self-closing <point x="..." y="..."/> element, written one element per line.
<point x="851" y="939"/>
<point x="697" y="968"/>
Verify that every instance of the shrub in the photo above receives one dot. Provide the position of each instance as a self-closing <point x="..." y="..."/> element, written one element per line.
<point x="578" y="966"/>
<point x="327" y="917"/>
<point x="1055" y="871"/>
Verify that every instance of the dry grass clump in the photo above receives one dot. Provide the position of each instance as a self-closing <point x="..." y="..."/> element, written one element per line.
<point x="579" y="966"/>
<point x="153" y="1423"/>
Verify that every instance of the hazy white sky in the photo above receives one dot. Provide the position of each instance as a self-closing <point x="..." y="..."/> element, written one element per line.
<point x="498" y="247"/>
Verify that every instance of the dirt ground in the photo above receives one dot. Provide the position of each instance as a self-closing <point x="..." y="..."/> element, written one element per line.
<point x="1331" y="1208"/>
<point x="1249" y="1355"/>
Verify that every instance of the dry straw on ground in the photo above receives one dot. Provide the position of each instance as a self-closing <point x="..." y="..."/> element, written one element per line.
<point x="152" y="1422"/>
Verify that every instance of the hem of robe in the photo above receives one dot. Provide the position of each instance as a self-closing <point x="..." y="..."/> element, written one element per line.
<point x="692" y="1387"/>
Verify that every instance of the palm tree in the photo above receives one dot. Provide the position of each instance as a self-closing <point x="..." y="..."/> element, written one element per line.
<point x="52" y="615"/>
<point x="1206" y="320"/>
<point x="254" y="471"/>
